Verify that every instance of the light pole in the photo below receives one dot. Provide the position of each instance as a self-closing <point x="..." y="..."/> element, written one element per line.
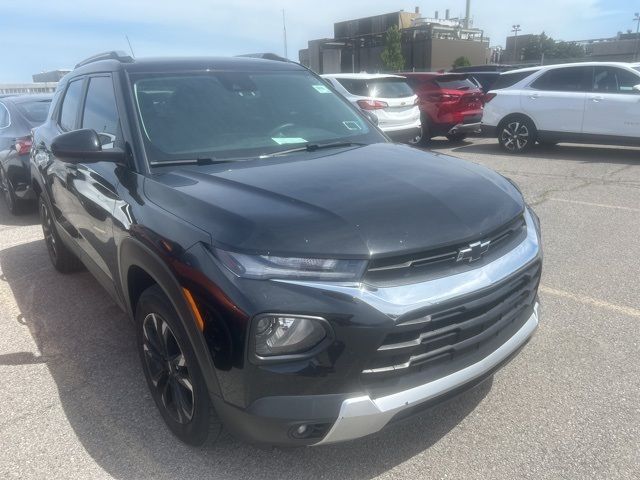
<point x="636" y="19"/>
<point x="515" y="29"/>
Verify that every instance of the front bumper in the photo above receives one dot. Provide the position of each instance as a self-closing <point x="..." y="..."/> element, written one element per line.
<point x="361" y="415"/>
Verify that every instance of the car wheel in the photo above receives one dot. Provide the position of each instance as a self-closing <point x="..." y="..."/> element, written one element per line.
<point x="517" y="135"/>
<point x="456" y="137"/>
<point x="14" y="205"/>
<point x="172" y="371"/>
<point x="61" y="257"/>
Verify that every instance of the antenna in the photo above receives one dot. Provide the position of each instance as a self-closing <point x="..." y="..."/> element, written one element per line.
<point x="130" y="47"/>
<point x="284" y="30"/>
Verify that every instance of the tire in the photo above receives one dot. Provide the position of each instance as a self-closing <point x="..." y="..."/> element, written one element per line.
<point x="517" y="134"/>
<point x="173" y="375"/>
<point x="456" y="137"/>
<point x="62" y="259"/>
<point x="14" y="205"/>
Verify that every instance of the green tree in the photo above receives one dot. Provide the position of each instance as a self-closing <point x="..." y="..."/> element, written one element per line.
<point x="461" y="62"/>
<point x="547" y="46"/>
<point x="391" y="56"/>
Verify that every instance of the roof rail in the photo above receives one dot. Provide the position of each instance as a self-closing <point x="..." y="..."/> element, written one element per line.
<point x="265" y="56"/>
<point x="112" y="55"/>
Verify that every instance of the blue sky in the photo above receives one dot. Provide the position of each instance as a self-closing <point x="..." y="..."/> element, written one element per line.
<point x="38" y="35"/>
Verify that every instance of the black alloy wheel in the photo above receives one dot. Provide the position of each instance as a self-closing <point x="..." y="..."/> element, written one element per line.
<point x="63" y="259"/>
<point x="168" y="369"/>
<point x="48" y="229"/>
<point x="8" y="193"/>
<point x="172" y="370"/>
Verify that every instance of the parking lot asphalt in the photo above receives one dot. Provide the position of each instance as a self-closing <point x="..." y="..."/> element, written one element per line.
<point x="74" y="404"/>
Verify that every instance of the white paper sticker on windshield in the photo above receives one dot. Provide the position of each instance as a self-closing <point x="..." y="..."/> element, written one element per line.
<point x="321" y="89"/>
<point x="287" y="140"/>
<point x="351" y="125"/>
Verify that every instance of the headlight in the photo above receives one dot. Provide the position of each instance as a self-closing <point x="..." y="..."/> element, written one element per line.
<point x="267" y="266"/>
<point x="276" y="335"/>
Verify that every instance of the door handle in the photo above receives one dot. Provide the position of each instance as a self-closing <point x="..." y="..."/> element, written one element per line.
<point x="534" y="96"/>
<point x="597" y="99"/>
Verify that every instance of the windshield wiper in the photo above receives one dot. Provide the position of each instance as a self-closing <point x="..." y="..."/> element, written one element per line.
<point x="312" y="147"/>
<point x="190" y="161"/>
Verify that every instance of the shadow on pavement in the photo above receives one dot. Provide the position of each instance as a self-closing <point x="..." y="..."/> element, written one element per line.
<point x="88" y="346"/>
<point x="570" y="152"/>
<point x="29" y="216"/>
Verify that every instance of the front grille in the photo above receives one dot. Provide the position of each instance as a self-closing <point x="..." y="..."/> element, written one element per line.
<point x="427" y="265"/>
<point x="457" y="333"/>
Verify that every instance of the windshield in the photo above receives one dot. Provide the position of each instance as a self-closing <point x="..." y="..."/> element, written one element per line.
<point x="241" y="114"/>
<point x="34" y="111"/>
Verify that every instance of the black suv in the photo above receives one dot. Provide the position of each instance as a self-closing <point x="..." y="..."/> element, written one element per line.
<point x="291" y="274"/>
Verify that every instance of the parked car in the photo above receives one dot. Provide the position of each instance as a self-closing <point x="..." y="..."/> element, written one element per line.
<point x="289" y="272"/>
<point x="450" y="103"/>
<point x="388" y="98"/>
<point x="18" y="115"/>
<point x="593" y="102"/>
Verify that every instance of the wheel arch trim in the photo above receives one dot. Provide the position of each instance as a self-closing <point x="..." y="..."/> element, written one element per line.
<point x="133" y="253"/>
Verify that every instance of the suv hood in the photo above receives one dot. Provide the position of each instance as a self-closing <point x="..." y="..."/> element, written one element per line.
<point x="377" y="200"/>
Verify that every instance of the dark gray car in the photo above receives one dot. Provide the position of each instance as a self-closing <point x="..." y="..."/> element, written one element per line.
<point x="18" y="115"/>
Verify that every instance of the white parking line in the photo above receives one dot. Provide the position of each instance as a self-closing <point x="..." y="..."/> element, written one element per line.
<point x="603" y="205"/>
<point x="591" y="301"/>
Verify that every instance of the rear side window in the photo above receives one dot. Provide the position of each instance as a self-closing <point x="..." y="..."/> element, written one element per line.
<point x="35" y="112"/>
<point x="507" y="79"/>
<point x="70" y="105"/>
<point x="614" y="80"/>
<point x="379" y="87"/>
<point x="100" y="111"/>
<point x="455" y="82"/>
<point x="5" y="120"/>
<point x="571" y="79"/>
<point x="354" y="87"/>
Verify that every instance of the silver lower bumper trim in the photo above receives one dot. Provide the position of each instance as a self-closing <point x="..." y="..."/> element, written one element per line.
<point x="361" y="416"/>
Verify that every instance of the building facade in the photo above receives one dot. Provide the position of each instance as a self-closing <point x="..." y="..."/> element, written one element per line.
<point x="427" y="44"/>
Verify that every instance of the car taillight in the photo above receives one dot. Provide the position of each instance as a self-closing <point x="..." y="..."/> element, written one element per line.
<point x="489" y="96"/>
<point x="23" y="145"/>
<point x="447" y="97"/>
<point x="372" y="104"/>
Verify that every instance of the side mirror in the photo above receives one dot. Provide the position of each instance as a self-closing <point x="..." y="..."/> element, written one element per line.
<point x="636" y="88"/>
<point x="83" y="146"/>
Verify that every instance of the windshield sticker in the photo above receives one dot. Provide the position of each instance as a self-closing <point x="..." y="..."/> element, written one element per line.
<point x="321" y="89"/>
<point x="351" y="125"/>
<point x="288" y="140"/>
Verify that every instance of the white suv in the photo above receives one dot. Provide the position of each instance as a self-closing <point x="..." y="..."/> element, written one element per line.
<point x="388" y="98"/>
<point x="579" y="102"/>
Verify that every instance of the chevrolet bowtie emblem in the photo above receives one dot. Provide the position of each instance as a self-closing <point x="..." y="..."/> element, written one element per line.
<point x="473" y="252"/>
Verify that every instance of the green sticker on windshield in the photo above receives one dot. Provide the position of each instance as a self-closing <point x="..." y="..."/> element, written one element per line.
<point x="287" y="140"/>
<point x="321" y="89"/>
